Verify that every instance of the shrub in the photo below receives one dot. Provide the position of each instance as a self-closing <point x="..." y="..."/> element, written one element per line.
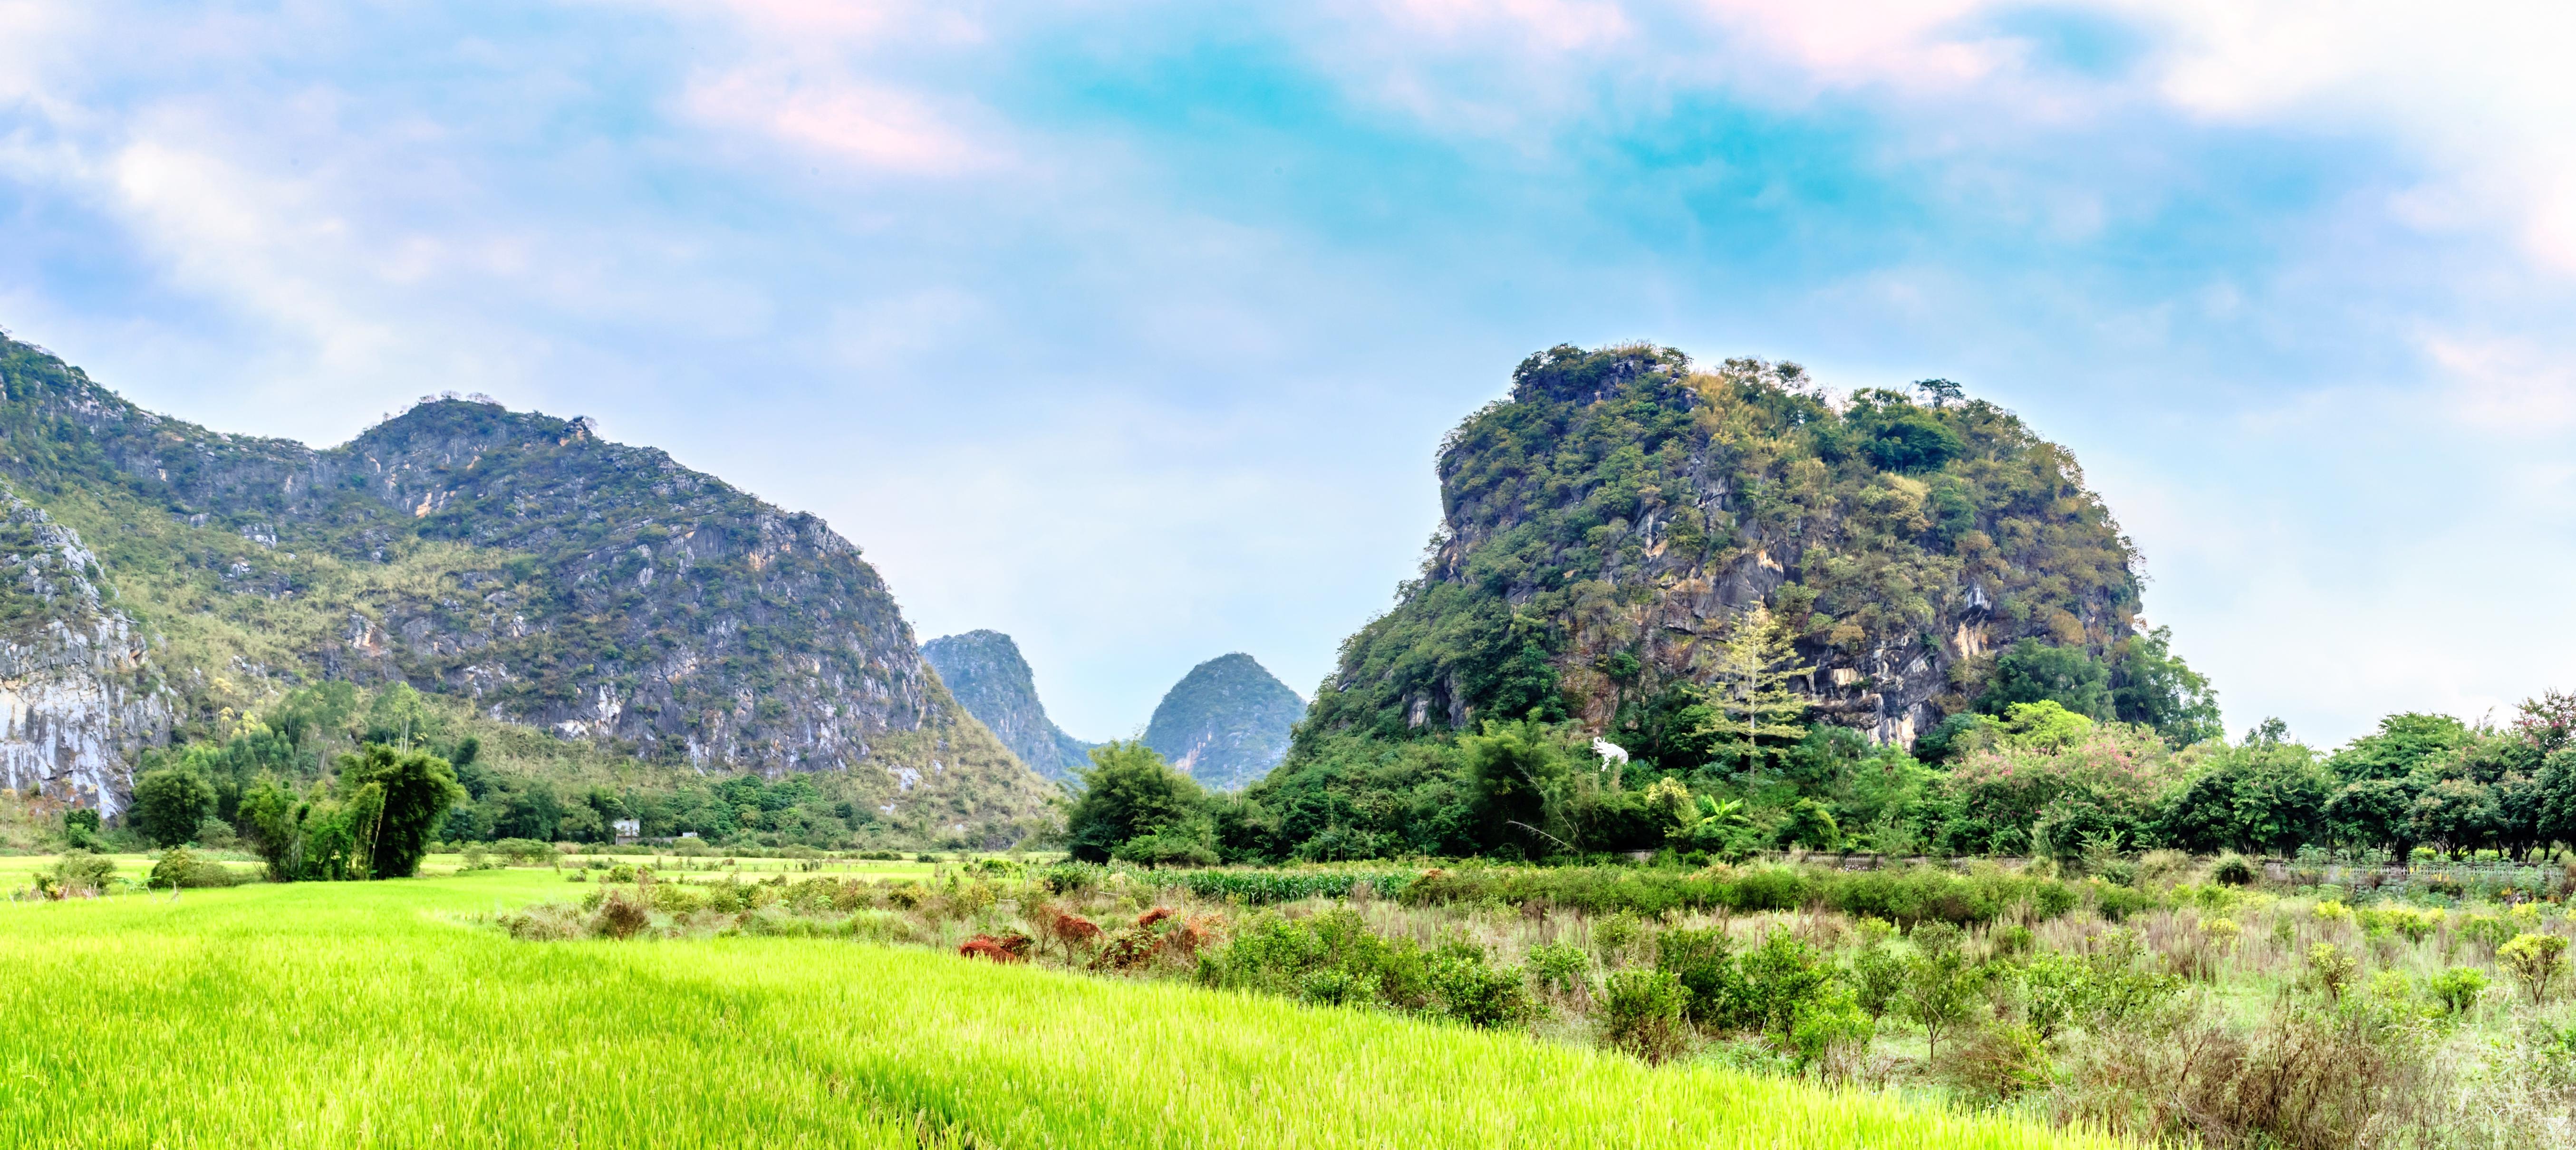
<point x="2415" y="924"/>
<point x="1698" y="960"/>
<point x="2487" y="930"/>
<point x="1475" y="993"/>
<point x="1007" y="948"/>
<point x="2163" y="868"/>
<point x="674" y="898"/>
<point x="2118" y="989"/>
<point x="1877" y="976"/>
<point x="81" y="828"/>
<point x="2457" y="989"/>
<point x="525" y="852"/>
<point x="1777" y="979"/>
<point x="1939" y="990"/>
<point x="2533" y="960"/>
<point x="2329" y="969"/>
<point x="1066" y="930"/>
<point x="80" y="872"/>
<point x="1997" y="1063"/>
<point x="1826" y="1025"/>
<point x="1560" y="968"/>
<point x="2232" y="869"/>
<point x="1614" y="937"/>
<point x="2012" y="940"/>
<point x="181" y="868"/>
<point x="621" y="917"/>
<point x="1641" y="1014"/>
<point x="1069" y="878"/>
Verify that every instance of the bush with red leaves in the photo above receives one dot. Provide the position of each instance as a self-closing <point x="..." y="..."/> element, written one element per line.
<point x="1011" y="947"/>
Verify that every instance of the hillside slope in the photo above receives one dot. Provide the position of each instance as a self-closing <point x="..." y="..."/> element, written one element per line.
<point x="1608" y="523"/>
<point x="1226" y="723"/>
<point x="512" y="562"/>
<point x="993" y="682"/>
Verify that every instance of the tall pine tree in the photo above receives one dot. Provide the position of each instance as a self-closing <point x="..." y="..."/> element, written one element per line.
<point x="1749" y="690"/>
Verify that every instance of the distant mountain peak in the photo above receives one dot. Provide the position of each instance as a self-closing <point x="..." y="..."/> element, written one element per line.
<point x="993" y="682"/>
<point x="1226" y="723"/>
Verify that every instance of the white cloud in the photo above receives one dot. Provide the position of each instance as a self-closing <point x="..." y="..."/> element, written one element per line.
<point x="2506" y="385"/>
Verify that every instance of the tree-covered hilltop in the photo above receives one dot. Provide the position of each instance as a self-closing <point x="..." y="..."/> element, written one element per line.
<point x="515" y="565"/>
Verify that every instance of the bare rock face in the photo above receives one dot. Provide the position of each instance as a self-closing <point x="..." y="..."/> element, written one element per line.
<point x="513" y="561"/>
<point x="78" y="699"/>
<point x="1226" y="723"/>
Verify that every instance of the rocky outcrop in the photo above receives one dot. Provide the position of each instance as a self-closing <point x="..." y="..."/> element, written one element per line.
<point x="1607" y="526"/>
<point x="78" y="698"/>
<point x="990" y="679"/>
<point x="1226" y="723"/>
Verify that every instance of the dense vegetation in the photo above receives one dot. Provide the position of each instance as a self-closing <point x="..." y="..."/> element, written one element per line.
<point x="288" y="783"/>
<point x="2041" y="780"/>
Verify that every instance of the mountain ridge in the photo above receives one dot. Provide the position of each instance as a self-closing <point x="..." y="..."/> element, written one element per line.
<point x="514" y="562"/>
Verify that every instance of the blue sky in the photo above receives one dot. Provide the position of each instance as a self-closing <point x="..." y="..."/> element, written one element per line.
<point x="1129" y="328"/>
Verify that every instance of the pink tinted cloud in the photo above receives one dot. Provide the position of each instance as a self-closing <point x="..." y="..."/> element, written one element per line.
<point x="843" y="117"/>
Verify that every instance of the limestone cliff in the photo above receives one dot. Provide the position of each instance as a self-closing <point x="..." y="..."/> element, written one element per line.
<point x="513" y="561"/>
<point x="78" y="698"/>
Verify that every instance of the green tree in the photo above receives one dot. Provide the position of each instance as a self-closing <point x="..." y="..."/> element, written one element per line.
<point x="2403" y="745"/>
<point x="2153" y="687"/>
<point x="1521" y="777"/>
<point x="273" y="820"/>
<point x="1128" y="792"/>
<point x="408" y="792"/>
<point x="81" y="828"/>
<point x="1749" y="688"/>
<point x="1940" y="988"/>
<point x="2375" y="812"/>
<point x="2260" y="797"/>
<point x="170" y="802"/>
<point x="2030" y="671"/>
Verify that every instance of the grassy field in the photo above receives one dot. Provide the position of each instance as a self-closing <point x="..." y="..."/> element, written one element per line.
<point x="380" y="1014"/>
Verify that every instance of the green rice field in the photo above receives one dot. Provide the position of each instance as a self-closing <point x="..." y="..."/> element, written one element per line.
<point x="383" y="1014"/>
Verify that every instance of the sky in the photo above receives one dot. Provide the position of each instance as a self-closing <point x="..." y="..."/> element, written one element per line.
<point x="1129" y="328"/>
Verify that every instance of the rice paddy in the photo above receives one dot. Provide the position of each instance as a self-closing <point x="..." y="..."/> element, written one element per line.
<point x="375" y="1014"/>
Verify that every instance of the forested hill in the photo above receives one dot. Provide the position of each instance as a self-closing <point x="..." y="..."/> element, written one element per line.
<point x="511" y="563"/>
<point x="993" y="680"/>
<point x="1610" y="522"/>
